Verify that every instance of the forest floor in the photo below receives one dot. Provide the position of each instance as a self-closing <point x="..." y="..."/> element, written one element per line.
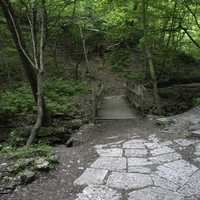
<point x="124" y="159"/>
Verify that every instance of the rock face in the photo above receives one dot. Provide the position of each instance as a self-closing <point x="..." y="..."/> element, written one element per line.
<point x="143" y="169"/>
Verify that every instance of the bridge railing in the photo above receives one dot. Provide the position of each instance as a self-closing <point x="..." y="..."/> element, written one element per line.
<point x="135" y="95"/>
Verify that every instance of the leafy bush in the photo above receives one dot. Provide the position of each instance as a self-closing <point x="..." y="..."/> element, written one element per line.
<point x="59" y="96"/>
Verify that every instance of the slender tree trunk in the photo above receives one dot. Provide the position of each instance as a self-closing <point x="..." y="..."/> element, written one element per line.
<point x="84" y="49"/>
<point x="40" y="110"/>
<point x="39" y="67"/>
<point x="26" y="60"/>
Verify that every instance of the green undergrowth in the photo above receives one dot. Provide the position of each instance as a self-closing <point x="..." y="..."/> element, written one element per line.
<point x="37" y="150"/>
<point x="27" y="157"/>
<point x="59" y="96"/>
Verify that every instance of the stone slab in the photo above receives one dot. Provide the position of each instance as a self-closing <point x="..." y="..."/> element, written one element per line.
<point x="135" y="144"/>
<point x="142" y="170"/>
<point x="135" y="152"/>
<point x="154" y="193"/>
<point x="99" y="193"/>
<point x="177" y="172"/>
<point x="162" y="150"/>
<point x="91" y="176"/>
<point x="110" y="163"/>
<point x="112" y="152"/>
<point x="138" y="162"/>
<point x="165" y="158"/>
<point x="164" y="183"/>
<point x="185" y="142"/>
<point x="192" y="187"/>
<point x="129" y="181"/>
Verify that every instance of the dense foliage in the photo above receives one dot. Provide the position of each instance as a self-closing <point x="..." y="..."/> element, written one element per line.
<point x="59" y="95"/>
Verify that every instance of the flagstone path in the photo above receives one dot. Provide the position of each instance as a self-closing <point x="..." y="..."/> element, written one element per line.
<point x="143" y="169"/>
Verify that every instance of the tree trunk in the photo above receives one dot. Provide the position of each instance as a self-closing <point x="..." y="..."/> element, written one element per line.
<point x="18" y="39"/>
<point x="40" y="110"/>
<point x="30" y="73"/>
<point x="148" y="57"/>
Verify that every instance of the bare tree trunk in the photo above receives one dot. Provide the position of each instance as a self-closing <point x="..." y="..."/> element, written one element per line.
<point x="39" y="67"/>
<point x="28" y="63"/>
<point x="40" y="110"/>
